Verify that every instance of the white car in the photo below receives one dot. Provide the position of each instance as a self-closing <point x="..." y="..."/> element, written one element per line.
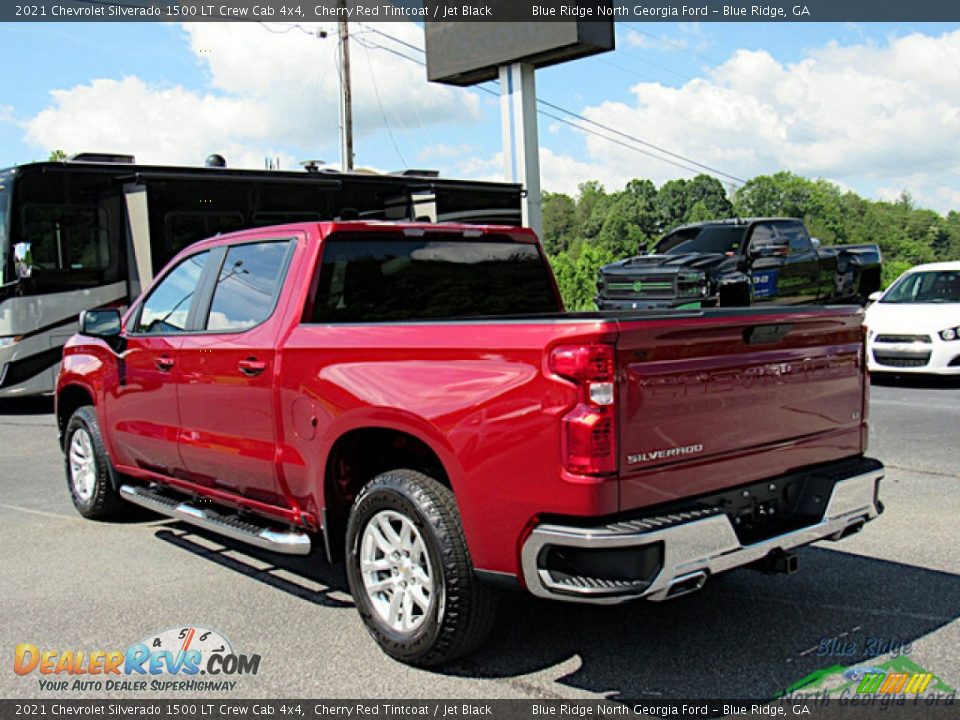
<point x="914" y="325"/>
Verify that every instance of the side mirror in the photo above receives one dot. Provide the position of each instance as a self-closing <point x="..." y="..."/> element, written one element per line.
<point x="23" y="260"/>
<point x="100" y="323"/>
<point x="874" y="296"/>
<point x="815" y="242"/>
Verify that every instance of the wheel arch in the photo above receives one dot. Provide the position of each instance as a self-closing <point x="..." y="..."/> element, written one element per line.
<point x="69" y="398"/>
<point x="360" y="454"/>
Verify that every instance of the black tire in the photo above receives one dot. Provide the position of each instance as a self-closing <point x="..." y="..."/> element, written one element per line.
<point x="462" y="608"/>
<point x="99" y="501"/>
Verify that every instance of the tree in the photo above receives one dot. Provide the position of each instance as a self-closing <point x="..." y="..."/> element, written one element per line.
<point x="559" y="222"/>
<point x="707" y="193"/>
<point x="57" y="156"/>
<point x="592" y="207"/>
<point x="584" y="233"/>
<point x="576" y="271"/>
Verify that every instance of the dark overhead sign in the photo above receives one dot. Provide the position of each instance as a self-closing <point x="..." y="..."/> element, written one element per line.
<point x="465" y="53"/>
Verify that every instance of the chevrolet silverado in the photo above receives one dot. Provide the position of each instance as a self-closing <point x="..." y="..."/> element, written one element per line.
<point x="413" y="399"/>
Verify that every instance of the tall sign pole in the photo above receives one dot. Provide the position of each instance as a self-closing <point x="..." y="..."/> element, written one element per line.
<point x="346" y="100"/>
<point x="521" y="145"/>
<point x="466" y="53"/>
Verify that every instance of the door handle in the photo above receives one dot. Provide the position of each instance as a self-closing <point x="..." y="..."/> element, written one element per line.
<point x="165" y="363"/>
<point x="251" y="367"/>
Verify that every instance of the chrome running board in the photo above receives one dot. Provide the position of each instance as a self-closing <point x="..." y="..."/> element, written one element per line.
<point x="288" y="542"/>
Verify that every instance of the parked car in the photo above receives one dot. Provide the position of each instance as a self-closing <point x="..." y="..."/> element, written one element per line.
<point x="414" y="399"/>
<point x="914" y="327"/>
<point x="738" y="263"/>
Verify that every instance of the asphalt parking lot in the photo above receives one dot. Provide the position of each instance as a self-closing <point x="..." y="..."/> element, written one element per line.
<point x="74" y="584"/>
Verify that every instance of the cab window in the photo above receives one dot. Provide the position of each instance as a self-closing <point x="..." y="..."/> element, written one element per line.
<point x="248" y="285"/>
<point x="167" y="307"/>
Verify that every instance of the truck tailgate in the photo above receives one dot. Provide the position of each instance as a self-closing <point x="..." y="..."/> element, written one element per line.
<point x="731" y="397"/>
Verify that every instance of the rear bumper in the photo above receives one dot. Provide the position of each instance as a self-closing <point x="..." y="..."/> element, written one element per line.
<point x="690" y="546"/>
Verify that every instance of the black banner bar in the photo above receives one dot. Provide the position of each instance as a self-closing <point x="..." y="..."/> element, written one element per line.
<point x="898" y="706"/>
<point x="480" y="11"/>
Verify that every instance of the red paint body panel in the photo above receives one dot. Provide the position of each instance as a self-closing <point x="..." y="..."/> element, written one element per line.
<point x="140" y="409"/>
<point x="480" y="394"/>
<point x="227" y="423"/>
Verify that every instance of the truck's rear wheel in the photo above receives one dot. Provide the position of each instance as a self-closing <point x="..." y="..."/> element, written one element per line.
<point x="410" y="572"/>
<point x="88" y="468"/>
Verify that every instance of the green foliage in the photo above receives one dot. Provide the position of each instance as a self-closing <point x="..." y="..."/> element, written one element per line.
<point x="576" y="272"/>
<point x="584" y="233"/>
<point x="559" y="221"/>
<point x="57" y="156"/>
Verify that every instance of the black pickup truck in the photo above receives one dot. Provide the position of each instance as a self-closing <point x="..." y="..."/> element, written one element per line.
<point x="740" y="262"/>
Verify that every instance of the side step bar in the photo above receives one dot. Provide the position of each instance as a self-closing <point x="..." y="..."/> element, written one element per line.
<point x="288" y="542"/>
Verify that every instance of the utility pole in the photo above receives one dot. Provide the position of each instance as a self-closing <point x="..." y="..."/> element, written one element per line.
<point x="346" y="101"/>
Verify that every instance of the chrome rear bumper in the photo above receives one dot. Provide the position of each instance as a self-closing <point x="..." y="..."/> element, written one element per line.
<point x="695" y="545"/>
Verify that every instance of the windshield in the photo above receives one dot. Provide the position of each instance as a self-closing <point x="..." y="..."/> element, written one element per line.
<point x="6" y="186"/>
<point x="940" y="286"/>
<point x="721" y="240"/>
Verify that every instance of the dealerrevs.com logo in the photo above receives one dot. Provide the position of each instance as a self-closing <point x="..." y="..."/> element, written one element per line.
<point x="188" y="658"/>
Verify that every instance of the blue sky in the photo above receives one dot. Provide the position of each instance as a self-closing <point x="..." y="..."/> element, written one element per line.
<point x="873" y="107"/>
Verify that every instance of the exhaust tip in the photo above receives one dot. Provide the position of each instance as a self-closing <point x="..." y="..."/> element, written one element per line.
<point x="686" y="584"/>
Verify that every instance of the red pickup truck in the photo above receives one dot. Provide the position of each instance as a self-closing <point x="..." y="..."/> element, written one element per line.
<point x="415" y="398"/>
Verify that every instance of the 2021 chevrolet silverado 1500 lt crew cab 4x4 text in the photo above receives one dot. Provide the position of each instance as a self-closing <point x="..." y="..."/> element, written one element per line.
<point x="415" y="399"/>
<point x="737" y="263"/>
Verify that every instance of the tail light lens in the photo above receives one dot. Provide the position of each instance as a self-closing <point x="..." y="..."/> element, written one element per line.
<point x="589" y="431"/>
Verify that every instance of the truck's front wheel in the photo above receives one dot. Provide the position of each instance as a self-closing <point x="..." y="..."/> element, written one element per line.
<point x="410" y="571"/>
<point x="88" y="468"/>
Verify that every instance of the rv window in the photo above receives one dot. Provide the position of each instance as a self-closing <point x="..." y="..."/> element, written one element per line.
<point x="186" y="228"/>
<point x="67" y="238"/>
<point x="263" y="218"/>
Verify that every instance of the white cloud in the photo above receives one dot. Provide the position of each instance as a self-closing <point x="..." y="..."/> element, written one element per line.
<point x="267" y="90"/>
<point x="875" y="119"/>
<point x="865" y="115"/>
<point x="692" y="38"/>
<point x="558" y="172"/>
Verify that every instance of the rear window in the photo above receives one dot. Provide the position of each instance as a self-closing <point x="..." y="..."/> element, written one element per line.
<point x="377" y="278"/>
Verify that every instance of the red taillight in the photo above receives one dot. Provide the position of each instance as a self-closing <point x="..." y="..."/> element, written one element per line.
<point x="590" y="429"/>
<point x="583" y="362"/>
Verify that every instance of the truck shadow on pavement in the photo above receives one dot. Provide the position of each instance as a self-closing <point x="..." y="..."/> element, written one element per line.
<point x="916" y="381"/>
<point x="745" y="635"/>
<point x="308" y="577"/>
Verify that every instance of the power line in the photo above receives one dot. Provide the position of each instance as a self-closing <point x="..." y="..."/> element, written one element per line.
<point x="318" y="33"/>
<point x="393" y="37"/>
<point x="383" y="114"/>
<point x="908" y="164"/>
<point x="682" y="158"/>
<point x="572" y="124"/>
<point x="672" y="154"/>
